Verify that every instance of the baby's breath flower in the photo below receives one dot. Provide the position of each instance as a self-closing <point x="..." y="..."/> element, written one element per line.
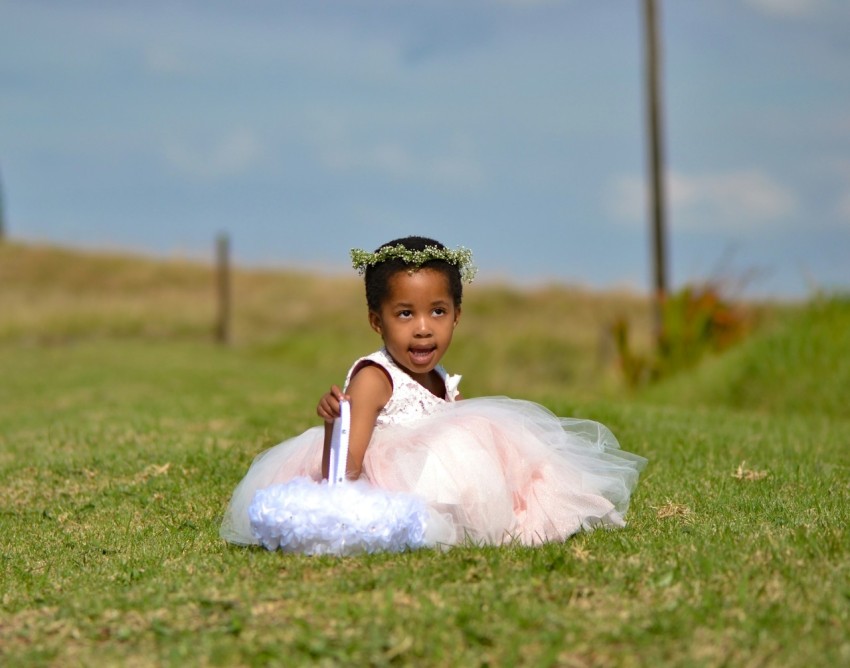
<point x="460" y="257"/>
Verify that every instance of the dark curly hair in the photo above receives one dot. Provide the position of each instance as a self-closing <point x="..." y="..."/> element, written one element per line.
<point x="377" y="277"/>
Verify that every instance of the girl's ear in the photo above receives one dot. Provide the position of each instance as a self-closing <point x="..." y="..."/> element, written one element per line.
<point x="375" y="321"/>
<point x="457" y="315"/>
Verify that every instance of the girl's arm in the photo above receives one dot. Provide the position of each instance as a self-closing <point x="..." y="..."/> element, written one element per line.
<point x="368" y="392"/>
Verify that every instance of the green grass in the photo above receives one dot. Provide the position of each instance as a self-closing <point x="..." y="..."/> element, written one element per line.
<point x="118" y="454"/>
<point x="800" y="364"/>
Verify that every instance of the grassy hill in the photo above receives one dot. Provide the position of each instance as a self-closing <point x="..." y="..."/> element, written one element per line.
<point x="799" y="365"/>
<point x="123" y="430"/>
<point x="551" y="339"/>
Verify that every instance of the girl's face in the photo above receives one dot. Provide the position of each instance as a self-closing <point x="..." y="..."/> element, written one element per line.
<point x="417" y="320"/>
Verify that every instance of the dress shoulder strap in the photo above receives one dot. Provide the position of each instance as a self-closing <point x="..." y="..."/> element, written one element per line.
<point x="379" y="359"/>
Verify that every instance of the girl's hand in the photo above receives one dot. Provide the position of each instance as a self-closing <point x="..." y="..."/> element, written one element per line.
<point x="328" y="408"/>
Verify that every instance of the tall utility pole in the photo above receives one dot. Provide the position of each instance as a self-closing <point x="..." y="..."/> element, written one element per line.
<point x="652" y="45"/>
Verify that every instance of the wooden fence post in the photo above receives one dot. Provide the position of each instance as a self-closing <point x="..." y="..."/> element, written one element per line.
<point x="2" y="214"/>
<point x="222" y="326"/>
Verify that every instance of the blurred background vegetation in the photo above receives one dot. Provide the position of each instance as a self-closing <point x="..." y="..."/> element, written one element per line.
<point x="511" y="340"/>
<point x="551" y="341"/>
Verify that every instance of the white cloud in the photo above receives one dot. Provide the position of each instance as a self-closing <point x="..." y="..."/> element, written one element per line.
<point x="787" y="8"/>
<point x="842" y="207"/>
<point x="834" y="173"/>
<point x="529" y="3"/>
<point x="732" y="200"/>
<point x="230" y="155"/>
<point x="455" y="166"/>
<point x="163" y="60"/>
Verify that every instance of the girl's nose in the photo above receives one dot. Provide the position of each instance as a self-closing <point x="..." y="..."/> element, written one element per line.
<point x="422" y="328"/>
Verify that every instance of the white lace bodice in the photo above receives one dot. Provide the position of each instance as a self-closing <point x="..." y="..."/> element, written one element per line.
<point x="409" y="399"/>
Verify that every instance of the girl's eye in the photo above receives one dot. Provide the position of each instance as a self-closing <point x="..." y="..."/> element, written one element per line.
<point x="404" y="314"/>
<point x="439" y="311"/>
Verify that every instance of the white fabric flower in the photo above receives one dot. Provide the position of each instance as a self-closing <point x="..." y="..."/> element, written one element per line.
<point x="452" y="381"/>
<point x="350" y="518"/>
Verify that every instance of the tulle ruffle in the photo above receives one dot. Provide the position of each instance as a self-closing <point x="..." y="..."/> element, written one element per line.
<point x="488" y="470"/>
<point x="312" y="517"/>
<point x="300" y="456"/>
<point x="499" y="470"/>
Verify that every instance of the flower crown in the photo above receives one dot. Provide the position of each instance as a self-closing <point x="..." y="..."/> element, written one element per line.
<point x="460" y="257"/>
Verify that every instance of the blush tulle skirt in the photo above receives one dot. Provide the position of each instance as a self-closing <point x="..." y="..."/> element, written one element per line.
<point x="487" y="470"/>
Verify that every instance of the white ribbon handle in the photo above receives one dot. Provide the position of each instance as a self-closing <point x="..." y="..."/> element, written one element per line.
<point x="339" y="445"/>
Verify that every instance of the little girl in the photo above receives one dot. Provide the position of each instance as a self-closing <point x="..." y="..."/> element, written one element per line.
<point x="489" y="470"/>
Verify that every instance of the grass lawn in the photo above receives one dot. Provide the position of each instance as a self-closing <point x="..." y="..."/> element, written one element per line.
<point x="119" y="449"/>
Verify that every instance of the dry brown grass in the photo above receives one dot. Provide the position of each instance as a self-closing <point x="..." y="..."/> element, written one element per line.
<point x="546" y="337"/>
<point x="53" y="294"/>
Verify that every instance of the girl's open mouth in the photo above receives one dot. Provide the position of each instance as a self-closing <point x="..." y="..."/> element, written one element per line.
<point x="421" y="355"/>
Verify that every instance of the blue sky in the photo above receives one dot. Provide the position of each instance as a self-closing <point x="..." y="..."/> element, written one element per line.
<point x="513" y="127"/>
